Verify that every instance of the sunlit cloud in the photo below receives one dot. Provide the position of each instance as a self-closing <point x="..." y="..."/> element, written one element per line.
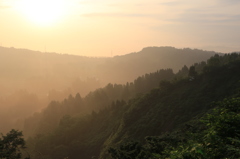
<point x="171" y="3"/>
<point x="207" y="18"/>
<point x="231" y="2"/>
<point x="114" y="15"/>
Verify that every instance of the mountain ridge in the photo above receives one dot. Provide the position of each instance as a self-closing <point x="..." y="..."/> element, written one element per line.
<point x="34" y="77"/>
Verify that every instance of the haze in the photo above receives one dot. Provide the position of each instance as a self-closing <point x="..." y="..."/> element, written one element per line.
<point x="109" y="28"/>
<point x="30" y="80"/>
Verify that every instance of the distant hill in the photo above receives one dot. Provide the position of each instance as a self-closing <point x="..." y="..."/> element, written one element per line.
<point x="40" y="72"/>
<point x="126" y="68"/>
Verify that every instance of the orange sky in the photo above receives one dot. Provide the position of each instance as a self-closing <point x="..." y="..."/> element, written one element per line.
<point x="108" y="28"/>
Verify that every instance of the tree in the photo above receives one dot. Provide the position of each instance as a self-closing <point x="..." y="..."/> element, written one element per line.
<point x="192" y="72"/>
<point x="214" y="136"/>
<point x="11" y="145"/>
<point x="129" y="150"/>
<point x="183" y="72"/>
<point x="165" y="85"/>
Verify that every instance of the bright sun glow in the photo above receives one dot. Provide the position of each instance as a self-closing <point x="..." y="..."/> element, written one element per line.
<point x="43" y="12"/>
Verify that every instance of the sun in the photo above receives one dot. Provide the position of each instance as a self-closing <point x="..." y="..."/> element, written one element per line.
<point x="43" y="12"/>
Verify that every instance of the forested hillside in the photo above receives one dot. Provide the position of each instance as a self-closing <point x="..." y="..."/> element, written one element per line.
<point x="30" y="80"/>
<point x="99" y="99"/>
<point x="152" y="107"/>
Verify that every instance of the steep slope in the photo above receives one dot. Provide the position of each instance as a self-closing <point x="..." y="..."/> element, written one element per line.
<point x="213" y="136"/>
<point x="162" y="110"/>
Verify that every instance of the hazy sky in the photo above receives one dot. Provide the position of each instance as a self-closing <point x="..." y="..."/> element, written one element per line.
<point x="115" y="27"/>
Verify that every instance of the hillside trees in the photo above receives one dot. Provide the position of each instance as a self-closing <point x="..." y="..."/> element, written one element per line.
<point x="192" y="72"/>
<point x="99" y="99"/>
<point x="215" y="136"/>
<point x="162" y="109"/>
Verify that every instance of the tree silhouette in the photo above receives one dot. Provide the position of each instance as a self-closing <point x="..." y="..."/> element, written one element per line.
<point x="11" y="145"/>
<point x="192" y="72"/>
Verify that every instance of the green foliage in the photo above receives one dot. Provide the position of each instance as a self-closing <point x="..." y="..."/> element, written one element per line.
<point x="216" y="136"/>
<point x="129" y="150"/>
<point x="11" y="145"/>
